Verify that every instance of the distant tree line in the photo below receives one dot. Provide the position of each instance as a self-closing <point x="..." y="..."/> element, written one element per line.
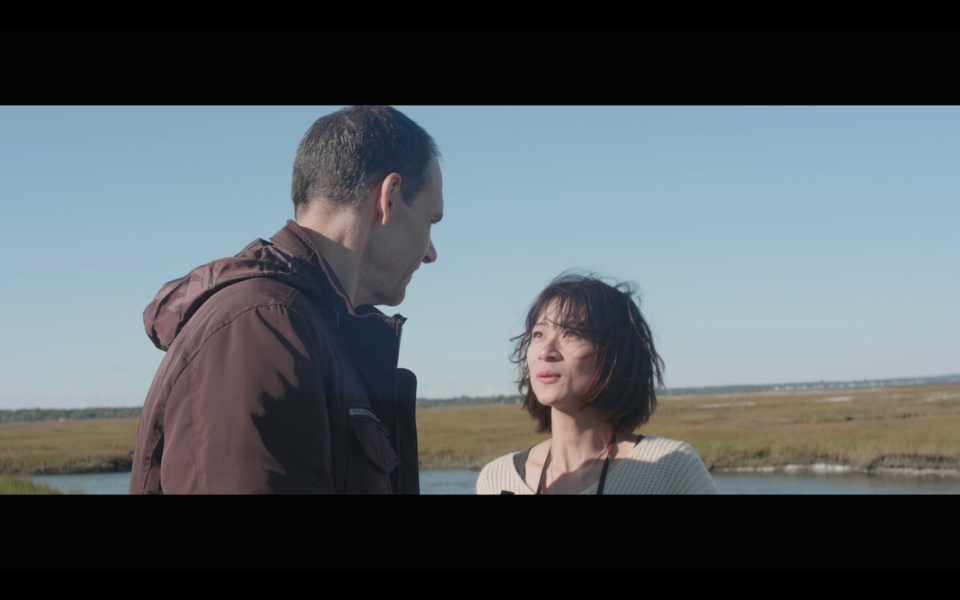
<point x="27" y="415"/>
<point x="39" y="414"/>
<point x="468" y="401"/>
<point x="819" y="385"/>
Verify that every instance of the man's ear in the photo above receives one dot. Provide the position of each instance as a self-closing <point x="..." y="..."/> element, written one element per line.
<point x="389" y="196"/>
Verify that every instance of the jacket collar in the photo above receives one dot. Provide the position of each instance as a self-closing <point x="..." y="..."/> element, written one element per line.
<point x="370" y="337"/>
<point x="293" y="240"/>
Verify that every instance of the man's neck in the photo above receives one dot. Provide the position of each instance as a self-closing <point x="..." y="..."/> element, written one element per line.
<point x="339" y="237"/>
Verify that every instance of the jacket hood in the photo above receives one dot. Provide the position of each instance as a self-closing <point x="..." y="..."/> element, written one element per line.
<point x="289" y="256"/>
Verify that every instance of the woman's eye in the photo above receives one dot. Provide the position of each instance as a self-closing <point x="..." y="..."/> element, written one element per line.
<point x="537" y="334"/>
<point x="571" y="334"/>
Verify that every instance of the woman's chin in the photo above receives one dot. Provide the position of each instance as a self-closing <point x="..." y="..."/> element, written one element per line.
<point x="555" y="401"/>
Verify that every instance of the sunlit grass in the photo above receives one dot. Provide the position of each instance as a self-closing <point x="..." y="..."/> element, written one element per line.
<point x="15" y="485"/>
<point x="62" y="447"/>
<point x="909" y="427"/>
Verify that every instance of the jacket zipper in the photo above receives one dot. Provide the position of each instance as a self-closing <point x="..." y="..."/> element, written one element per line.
<point x="363" y="412"/>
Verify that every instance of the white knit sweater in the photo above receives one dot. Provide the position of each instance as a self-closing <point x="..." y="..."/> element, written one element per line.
<point x="655" y="466"/>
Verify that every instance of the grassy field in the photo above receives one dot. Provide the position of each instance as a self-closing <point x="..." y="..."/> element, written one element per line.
<point x="61" y="447"/>
<point x="908" y="427"/>
<point x="15" y="485"/>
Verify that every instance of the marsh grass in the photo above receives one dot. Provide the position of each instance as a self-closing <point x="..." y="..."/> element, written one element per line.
<point x="911" y="427"/>
<point x="63" y="447"/>
<point x="16" y="485"/>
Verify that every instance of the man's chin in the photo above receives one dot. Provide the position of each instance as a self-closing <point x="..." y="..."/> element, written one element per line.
<point x="392" y="300"/>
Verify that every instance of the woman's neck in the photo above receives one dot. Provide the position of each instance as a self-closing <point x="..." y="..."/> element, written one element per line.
<point x="577" y="438"/>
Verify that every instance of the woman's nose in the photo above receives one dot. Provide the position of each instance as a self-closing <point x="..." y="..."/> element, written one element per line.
<point x="549" y="351"/>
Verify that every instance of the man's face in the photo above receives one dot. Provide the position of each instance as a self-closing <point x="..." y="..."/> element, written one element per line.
<point x="404" y="243"/>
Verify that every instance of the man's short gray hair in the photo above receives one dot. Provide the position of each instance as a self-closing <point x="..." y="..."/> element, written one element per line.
<point x="344" y="153"/>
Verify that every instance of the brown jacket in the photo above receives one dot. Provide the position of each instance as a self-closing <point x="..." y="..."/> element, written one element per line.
<point x="273" y="383"/>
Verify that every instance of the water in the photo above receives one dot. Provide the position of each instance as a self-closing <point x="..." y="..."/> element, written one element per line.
<point x="464" y="483"/>
<point x="91" y="483"/>
<point x="431" y="482"/>
<point x="449" y="482"/>
<point x="846" y="483"/>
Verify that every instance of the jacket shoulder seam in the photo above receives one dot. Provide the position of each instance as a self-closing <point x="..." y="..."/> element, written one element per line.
<point x="285" y="303"/>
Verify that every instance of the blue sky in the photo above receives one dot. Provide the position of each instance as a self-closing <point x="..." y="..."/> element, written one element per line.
<point x="770" y="244"/>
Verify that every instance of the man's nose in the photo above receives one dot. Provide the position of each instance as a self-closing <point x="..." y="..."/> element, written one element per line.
<point x="431" y="254"/>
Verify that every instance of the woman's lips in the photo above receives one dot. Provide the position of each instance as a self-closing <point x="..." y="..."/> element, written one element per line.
<point x="547" y="377"/>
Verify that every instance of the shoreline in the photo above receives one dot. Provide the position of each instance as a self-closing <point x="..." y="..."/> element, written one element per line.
<point x="830" y="469"/>
<point x="91" y="467"/>
<point x="907" y="432"/>
<point x="789" y="469"/>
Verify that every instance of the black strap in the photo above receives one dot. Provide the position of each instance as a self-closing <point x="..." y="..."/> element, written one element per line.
<point x="543" y="473"/>
<point x="606" y="463"/>
<point x="603" y="476"/>
<point x="520" y="462"/>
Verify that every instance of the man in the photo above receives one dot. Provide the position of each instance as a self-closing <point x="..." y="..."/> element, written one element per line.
<point x="280" y="376"/>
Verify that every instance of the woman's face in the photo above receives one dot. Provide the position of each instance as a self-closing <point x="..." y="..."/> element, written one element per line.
<point x="561" y="363"/>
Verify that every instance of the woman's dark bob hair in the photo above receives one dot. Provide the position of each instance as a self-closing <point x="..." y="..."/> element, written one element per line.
<point x="629" y="370"/>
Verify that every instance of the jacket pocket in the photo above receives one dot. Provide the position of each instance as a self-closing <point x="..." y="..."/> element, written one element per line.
<point x="372" y="438"/>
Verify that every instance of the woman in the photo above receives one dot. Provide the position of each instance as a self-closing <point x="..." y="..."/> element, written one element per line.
<point x="589" y="372"/>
